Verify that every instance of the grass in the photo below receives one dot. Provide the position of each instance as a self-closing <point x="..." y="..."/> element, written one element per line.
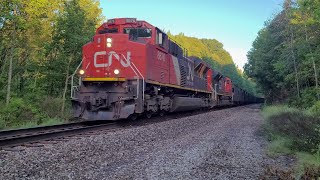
<point x="270" y="111"/>
<point x="279" y="146"/>
<point x="294" y="131"/>
<point x="30" y="124"/>
<point x="52" y="121"/>
<point x="307" y="160"/>
<point x="21" y="113"/>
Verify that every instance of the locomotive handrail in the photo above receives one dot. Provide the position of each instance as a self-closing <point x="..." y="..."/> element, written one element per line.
<point x="214" y="91"/>
<point x="142" y="80"/>
<point x="138" y="79"/>
<point x="75" y="87"/>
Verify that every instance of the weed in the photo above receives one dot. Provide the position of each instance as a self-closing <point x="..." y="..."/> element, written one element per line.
<point x="279" y="145"/>
<point x="315" y="109"/>
<point x="302" y="128"/>
<point x="52" y="121"/>
<point x="23" y="114"/>
<point x="295" y="131"/>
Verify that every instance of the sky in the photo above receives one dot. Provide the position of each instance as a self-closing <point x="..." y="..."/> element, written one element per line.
<point x="235" y="23"/>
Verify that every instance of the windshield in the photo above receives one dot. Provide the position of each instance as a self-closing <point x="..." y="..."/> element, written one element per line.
<point x="111" y="30"/>
<point x="135" y="33"/>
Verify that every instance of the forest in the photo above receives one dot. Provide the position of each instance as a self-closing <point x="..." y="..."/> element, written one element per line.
<point x="40" y="47"/>
<point x="284" y="62"/>
<point x="285" y="57"/>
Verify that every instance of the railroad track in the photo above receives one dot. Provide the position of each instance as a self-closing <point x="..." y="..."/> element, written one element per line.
<point x="11" y="138"/>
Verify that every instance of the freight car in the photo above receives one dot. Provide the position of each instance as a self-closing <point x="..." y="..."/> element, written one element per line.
<point x="132" y="68"/>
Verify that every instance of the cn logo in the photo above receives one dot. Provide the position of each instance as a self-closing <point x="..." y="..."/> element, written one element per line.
<point x="124" y="61"/>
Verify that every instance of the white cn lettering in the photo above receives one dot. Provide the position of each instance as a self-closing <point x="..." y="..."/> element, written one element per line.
<point x="95" y="59"/>
<point x="124" y="61"/>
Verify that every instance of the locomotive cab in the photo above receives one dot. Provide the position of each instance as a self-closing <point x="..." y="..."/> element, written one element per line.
<point x="113" y="70"/>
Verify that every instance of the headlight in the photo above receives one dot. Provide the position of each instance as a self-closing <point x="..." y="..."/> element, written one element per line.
<point x="108" y="45"/>
<point x="81" y="72"/>
<point x="109" y="40"/>
<point x="116" y="71"/>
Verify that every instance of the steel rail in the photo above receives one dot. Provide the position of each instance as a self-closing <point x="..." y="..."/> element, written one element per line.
<point x="17" y="132"/>
<point x="22" y="136"/>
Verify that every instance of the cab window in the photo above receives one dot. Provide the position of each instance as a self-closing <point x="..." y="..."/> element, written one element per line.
<point x="161" y="38"/>
<point x="108" y="30"/>
<point x="135" y="33"/>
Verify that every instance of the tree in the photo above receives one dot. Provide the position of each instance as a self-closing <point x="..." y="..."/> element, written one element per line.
<point x="282" y="59"/>
<point x="74" y="29"/>
<point x="40" y="44"/>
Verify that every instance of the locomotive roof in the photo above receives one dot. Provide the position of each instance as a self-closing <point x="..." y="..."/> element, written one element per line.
<point x="122" y="21"/>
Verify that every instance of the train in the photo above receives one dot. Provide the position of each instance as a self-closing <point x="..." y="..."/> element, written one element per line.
<point x="132" y="68"/>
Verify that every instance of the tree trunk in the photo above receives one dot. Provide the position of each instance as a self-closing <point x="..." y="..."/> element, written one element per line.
<point x="3" y="68"/>
<point x="10" y="63"/>
<point x="65" y="87"/>
<point x="295" y="65"/>
<point x="287" y="6"/>
<point x="313" y="63"/>
<point x="35" y="82"/>
<point x="9" y="78"/>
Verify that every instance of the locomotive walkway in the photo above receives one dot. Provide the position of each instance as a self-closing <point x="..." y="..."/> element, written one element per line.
<point x="224" y="144"/>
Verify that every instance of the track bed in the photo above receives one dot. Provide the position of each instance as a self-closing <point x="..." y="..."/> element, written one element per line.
<point x="224" y="144"/>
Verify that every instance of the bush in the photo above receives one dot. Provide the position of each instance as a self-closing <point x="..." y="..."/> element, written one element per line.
<point x="16" y="113"/>
<point x="315" y="109"/>
<point x="51" y="121"/>
<point x="22" y="114"/>
<point x="308" y="165"/>
<point x="51" y="107"/>
<point x="297" y="125"/>
<point x="2" y="123"/>
<point x="279" y="145"/>
<point x="307" y="98"/>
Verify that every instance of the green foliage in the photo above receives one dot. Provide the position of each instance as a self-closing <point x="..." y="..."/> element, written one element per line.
<point x="21" y="113"/>
<point x="294" y="131"/>
<point x="315" y="109"/>
<point x="279" y="145"/>
<point x="284" y="59"/>
<point x="297" y="125"/>
<point x="17" y="112"/>
<point x="308" y="164"/>
<point x="52" y="121"/>
<point x="44" y="39"/>
<point x="270" y="111"/>
<point x="51" y="107"/>
<point x="307" y="99"/>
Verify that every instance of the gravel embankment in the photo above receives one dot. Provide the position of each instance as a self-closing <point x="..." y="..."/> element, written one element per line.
<point x="221" y="144"/>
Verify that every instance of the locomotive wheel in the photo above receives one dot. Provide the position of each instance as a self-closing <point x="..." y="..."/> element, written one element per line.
<point x="149" y="114"/>
<point x="161" y="113"/>
<point x="133" y="116"/>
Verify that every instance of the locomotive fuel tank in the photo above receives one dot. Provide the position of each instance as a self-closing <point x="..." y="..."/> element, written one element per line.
<point x="187" y="104"/>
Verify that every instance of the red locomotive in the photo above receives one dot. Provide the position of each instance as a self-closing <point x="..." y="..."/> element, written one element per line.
<point x="132" y="68"/>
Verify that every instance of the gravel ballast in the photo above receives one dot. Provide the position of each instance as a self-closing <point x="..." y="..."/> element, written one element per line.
<point x="222" y="144"/>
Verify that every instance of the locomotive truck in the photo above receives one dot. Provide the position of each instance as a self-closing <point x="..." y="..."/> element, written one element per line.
<point x="132" y="68"/>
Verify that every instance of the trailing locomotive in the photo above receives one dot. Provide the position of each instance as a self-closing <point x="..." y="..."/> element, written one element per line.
<point x="132" y="68"/>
